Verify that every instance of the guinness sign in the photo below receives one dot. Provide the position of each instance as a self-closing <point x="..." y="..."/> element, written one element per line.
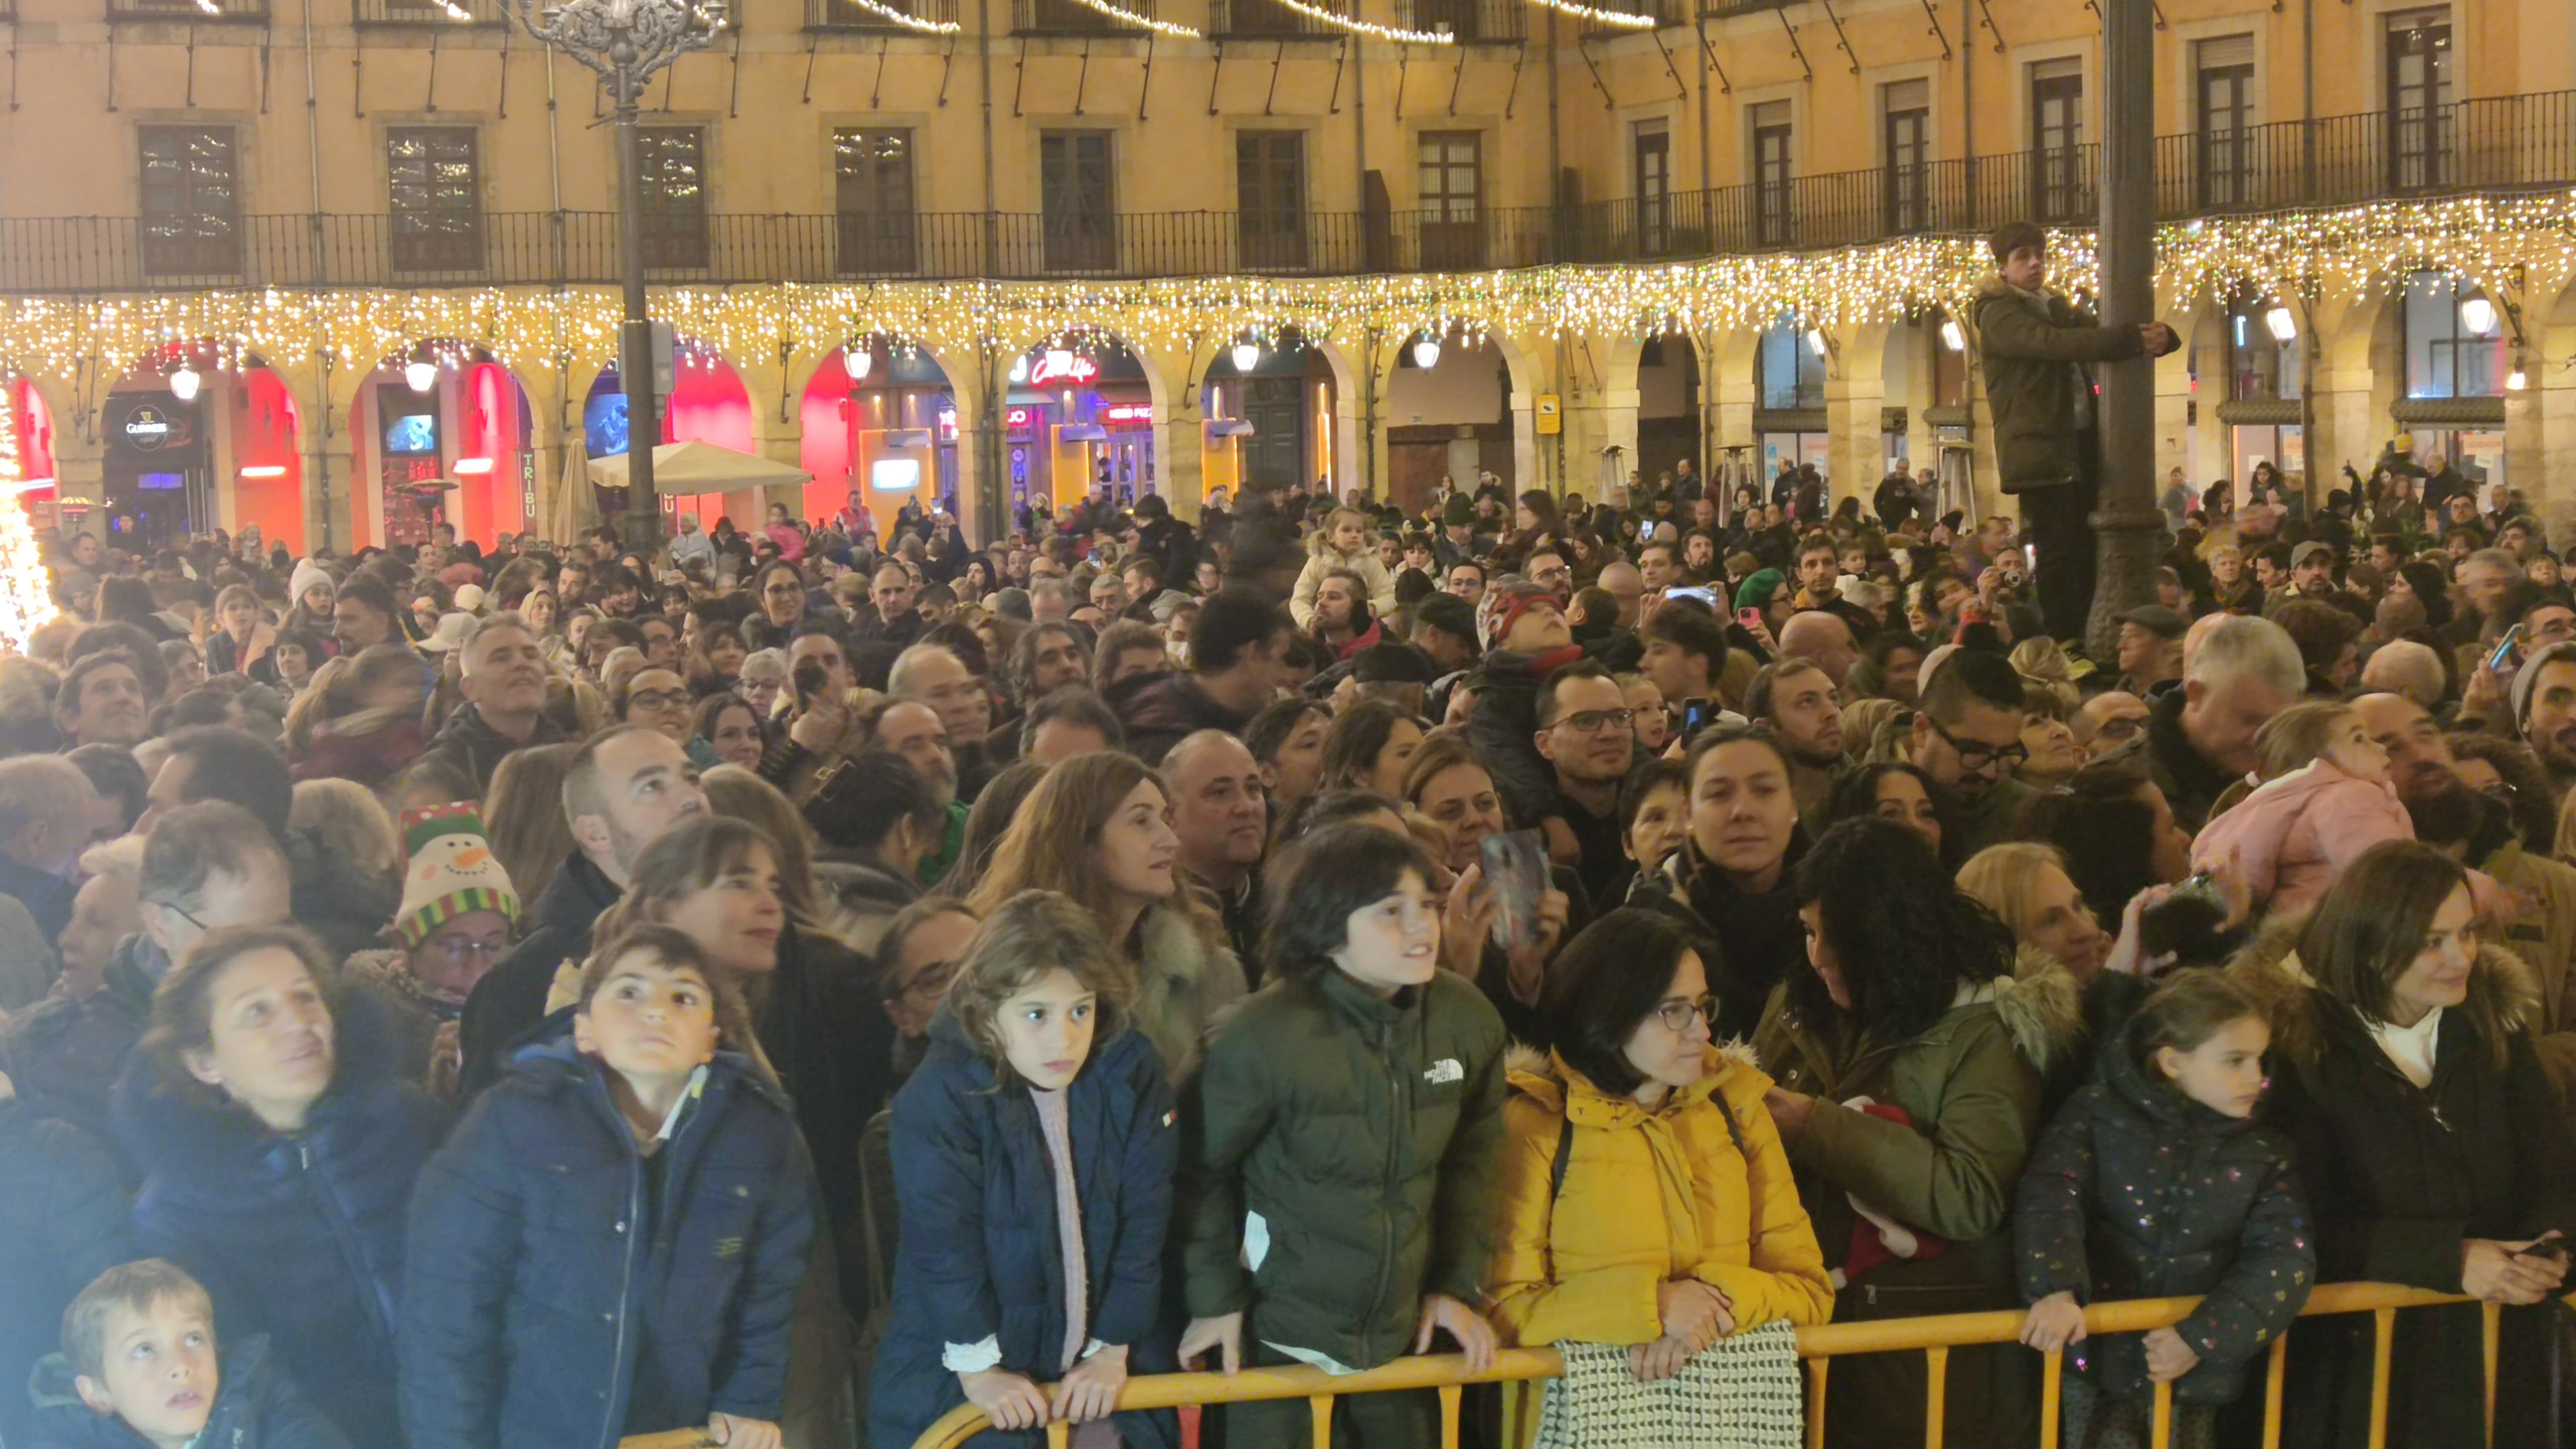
<point x="148" y="428"/>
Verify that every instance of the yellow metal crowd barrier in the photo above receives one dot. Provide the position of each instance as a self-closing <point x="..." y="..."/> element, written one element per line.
<point x="1932" y="1337"/>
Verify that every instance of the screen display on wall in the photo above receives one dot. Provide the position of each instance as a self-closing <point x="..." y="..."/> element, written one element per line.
<point x="411" y="435"/>
<point x="895" y="475"/>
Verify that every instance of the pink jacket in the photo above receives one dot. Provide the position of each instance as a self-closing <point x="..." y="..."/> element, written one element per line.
<point x="2297" y="833"/>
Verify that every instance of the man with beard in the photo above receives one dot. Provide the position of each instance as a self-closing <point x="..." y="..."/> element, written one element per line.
<point x="2539" y="908"/>
<point x="935" y="676"/>
<point x="2544" y="711"/>
<point x="1222" y="817"/>
<point x="1794" y="699"/>
<point x="1048" y="657"/>
<point x="624" y="788"/>
<point x="1587" y="735"/>
<point x="915" y="731"/>
<point x="1967" y="737"/>
<point x="1343" y="623"/>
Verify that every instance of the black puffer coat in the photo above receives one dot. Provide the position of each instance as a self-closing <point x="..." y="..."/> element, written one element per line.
<point x="2137" y="1191"/>
<point x="2400" y="1176"/>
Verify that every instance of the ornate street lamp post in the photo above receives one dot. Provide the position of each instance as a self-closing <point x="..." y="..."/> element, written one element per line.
<point x="627" y="41"/>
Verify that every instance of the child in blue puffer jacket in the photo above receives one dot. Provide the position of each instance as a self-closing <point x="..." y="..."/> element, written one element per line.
<point x="1033" y="1156"/>
<point x="611" y="1243"/>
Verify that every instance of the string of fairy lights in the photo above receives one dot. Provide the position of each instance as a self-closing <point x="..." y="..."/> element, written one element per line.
<point x="2329" y="257"/>
<point x="26" y="599"/>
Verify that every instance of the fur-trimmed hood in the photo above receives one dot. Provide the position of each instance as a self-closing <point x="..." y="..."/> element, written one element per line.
<point x="2503" y="994"/>
<point x="2041" y="1005"/>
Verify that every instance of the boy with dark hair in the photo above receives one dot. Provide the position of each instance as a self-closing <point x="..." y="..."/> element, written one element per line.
<point x="140" y="1369"/>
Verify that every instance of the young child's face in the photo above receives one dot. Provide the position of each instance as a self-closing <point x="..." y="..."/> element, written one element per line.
<point x="2355" y="753"/>
<point x="1046" y="1029"/>
<point x="1394" y="941"/>
<point x="2224" y="1073"/>
<point x="649" y="1018"/>
<point x="1348" y="536"/>
<point x="159" y="1374"/>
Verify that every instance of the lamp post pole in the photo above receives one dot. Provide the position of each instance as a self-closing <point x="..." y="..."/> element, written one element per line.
<point x="2127" y="521"/>
<point x="627" y="42"/>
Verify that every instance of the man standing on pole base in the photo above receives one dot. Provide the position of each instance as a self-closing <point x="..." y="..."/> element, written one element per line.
<point x="2048" y="445"/>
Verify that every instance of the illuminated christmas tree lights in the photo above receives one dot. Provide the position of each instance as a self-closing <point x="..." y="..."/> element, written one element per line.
<point x="26" y="590"/>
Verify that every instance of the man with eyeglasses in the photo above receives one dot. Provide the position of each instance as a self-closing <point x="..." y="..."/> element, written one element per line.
<point x="2108" y="723"/>
<point x="454" y="925"/>
<point x="205" y="867"/>
<point x="1587" y="735"/>
<point x="1967" y="737"/>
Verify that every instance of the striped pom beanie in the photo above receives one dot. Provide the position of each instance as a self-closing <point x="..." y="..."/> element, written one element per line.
<point x="452" y="871"/>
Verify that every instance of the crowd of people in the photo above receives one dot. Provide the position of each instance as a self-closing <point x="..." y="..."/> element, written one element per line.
<point x="796" y="983"/>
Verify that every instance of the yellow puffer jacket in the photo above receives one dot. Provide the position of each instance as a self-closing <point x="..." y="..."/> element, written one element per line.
<point x="1647" y="1197"/>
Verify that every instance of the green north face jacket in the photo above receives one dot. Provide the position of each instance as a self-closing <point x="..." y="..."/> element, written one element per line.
<point x="1363" y="1132"/>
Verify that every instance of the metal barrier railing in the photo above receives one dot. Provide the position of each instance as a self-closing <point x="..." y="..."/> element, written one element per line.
<point x="1933" y="1337"/>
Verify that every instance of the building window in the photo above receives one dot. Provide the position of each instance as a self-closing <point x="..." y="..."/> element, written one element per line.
<point x="1076" y="192"/>
<point x="2420" y="118"/>
<point x="1768" y="126"/>
<point x="1270" y="197"/>
<point x="191" y="202"/>
<point x="2060" y="186"/>
<point x="433" y="192"/>
<point x="2260" y="367"/>
<point x="2455" y="339"/>
<point x="2226" y="115"/>
<point x="1789" y="369"/>
<point x="1906" y="107"/>
<point x="1453" y="191"/>
<point x="1651" y="149"/>
<point x="872" y="196"/>
<point x="672" y="181"/>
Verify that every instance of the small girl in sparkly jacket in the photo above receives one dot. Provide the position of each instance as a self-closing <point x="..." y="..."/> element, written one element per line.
<point x="2155" y="1181"/>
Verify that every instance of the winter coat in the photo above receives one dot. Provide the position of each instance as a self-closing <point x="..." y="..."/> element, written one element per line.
<point x="1970" y="1084"/>
<point x="1747" y="943"/>
<point x="342" y="905"/>
<point x="2543" y="935"/>
<point x="1158" y="711"/>
<point x="1504" y="726"/>
<point x="2191" y="784"/>
<point x="1364" y="1132"/>
<point x="2034" y="352"/>
<point x="63" y="1054"/>
<point x="1185" y="977"/>
<point x="62" y="1223"/>
<point x="1582" y="1260"/>
<point x="470" y="746"/>
<point x="1325" y="559"/>
<point x="225" y="655"/>
<point x="298" y="1236"/>
<point x="980" y="1258"/>
<point x="2137" y="1191"/>
<point x="257" y="1406"/>
<point x="510" y="1000"/>
<point x="412" y="1011"/>
<point x="564" y="1289"/>
<point x="864" y="897"/>
<point x="2398" y="1176"/>
<point x="2295" y="834"/>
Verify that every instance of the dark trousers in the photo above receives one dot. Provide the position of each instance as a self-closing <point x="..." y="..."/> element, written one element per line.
<point x="1408" y="1419"/>
<point x="2059" y="516"/>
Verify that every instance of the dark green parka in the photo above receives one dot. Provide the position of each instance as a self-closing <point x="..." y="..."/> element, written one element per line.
<point x="1363" y="1133"/>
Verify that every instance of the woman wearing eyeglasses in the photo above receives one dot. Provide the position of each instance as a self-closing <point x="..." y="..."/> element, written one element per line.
<point x="459" y="915"/>
<point x="1633" y="1105"/>
<point x="1910" y="1060"/>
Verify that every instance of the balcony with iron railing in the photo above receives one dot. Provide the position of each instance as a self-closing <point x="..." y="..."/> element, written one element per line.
<point x="1468" y="22"/>
<point x="244" y="12"/>
<point x="2491" y="146"/>
<point x="1270" y="20"/>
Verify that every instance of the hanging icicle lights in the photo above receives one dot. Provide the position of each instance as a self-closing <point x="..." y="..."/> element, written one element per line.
<point x="908" y="20"/>
<point x="1370" y="28"/>
<point x="1130" y="17"/>
<point x="1598" y="16"/>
